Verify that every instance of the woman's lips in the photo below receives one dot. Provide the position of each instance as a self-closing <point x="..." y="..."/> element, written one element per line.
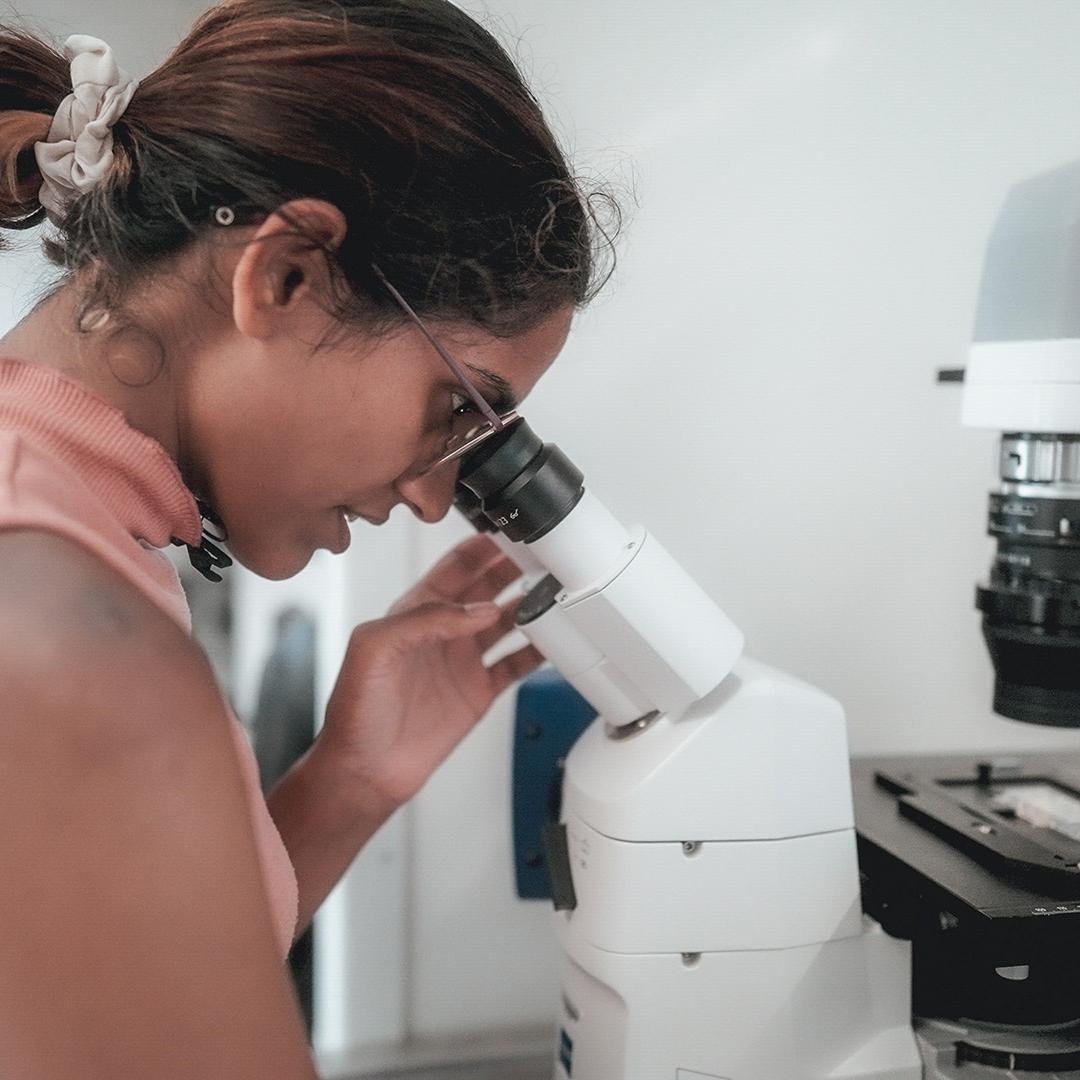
<point x="351" y="515"/>
<point x="344" y="537"/>
<point x="371" y="519"/>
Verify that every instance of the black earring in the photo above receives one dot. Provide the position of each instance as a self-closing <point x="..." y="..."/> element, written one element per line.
<point x="208" y="555"/>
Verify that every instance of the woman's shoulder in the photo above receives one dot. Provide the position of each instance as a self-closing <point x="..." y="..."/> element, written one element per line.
<point x="40" y="491"/>
<point x="77" y="637"/>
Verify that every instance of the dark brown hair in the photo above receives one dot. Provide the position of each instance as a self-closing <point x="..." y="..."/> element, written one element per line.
<point x="406" y="114"/>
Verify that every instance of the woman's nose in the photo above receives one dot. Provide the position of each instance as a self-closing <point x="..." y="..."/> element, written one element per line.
<point x="430" y="495"/>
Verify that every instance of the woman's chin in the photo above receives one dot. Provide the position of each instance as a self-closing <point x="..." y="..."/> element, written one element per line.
<point x="273" y="564"/>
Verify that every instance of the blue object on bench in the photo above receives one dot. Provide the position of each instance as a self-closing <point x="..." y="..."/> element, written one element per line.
<point x="549" y="717"/>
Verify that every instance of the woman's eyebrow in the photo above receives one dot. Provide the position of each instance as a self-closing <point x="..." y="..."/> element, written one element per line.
<point x="504" y="397"/>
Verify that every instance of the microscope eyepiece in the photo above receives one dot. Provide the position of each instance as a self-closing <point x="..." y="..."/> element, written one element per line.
<point x="523" y="485"/>
<point x="469" y="506"/>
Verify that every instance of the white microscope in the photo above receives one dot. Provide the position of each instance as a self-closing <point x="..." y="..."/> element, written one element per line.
<point x="704" y="865"/>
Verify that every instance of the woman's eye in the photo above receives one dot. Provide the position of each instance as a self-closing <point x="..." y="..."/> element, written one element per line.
<point x="460" y="405"/>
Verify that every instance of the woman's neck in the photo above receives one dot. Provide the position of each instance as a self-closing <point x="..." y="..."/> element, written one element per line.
<point x="123" y="365"/>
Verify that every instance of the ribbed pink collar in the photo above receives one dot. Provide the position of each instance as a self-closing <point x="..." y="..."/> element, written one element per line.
<point x="130" y="472"/>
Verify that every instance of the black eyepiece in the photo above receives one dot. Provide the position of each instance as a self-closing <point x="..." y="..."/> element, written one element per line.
<point x="524" y="486"/>
<point x="469" y="505"/>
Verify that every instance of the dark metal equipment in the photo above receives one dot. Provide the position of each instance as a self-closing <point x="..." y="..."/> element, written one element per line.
<point x="976" y="861"/>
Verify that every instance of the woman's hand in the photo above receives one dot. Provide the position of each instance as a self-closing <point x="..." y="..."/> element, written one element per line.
<point x="413" y="684"/>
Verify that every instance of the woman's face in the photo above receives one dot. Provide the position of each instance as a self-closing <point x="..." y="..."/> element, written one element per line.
<point x="283" y="444"/>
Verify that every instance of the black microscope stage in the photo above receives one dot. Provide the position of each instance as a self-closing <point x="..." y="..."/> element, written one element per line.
<point x="976" y="861"/>
<point x="961" y="832"/>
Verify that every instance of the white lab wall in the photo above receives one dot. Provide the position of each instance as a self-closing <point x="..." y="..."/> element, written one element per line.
<point x="816" y="182"/>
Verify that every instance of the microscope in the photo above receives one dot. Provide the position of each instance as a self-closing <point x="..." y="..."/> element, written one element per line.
<point x="701" y="851"/>
<point x="734" y="899"/>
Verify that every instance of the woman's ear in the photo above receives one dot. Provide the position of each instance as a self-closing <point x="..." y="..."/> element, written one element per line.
<point x="280" y="267"/>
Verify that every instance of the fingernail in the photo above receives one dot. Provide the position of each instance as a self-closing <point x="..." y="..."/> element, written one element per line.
<point x="482" y="608"/>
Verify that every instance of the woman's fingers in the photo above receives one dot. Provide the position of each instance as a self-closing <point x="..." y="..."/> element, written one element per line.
<point x="495" y="633"/>
<point x="434" y="621"/>
<point x="461" y="566"/>
<point x="475" y="570"/>
<point x="491" y="582"/>
<point x="513" y="667"/>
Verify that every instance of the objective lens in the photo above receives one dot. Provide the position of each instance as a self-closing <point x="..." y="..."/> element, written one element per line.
<point x="1031" y="603"/>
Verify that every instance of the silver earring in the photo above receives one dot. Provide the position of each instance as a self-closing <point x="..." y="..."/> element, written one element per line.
<point x="224" y="215"/>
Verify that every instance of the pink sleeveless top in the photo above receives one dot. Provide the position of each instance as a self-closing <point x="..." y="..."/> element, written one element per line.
<point x="70" y="463"/>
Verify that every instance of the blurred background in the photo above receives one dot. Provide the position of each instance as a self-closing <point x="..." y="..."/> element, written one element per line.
<point x="809" y="186"/>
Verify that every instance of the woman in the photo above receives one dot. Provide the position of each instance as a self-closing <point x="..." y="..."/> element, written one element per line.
<point x="248" y="235"/>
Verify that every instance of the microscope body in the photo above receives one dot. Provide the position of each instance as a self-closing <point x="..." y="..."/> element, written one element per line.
<point x="717" y="931"/>
<point x="704" y="863"/>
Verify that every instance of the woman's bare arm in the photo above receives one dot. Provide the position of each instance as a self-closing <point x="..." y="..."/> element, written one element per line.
<point x="135" y="935"/>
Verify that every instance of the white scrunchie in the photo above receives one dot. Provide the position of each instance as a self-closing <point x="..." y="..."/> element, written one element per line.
<point x="78" y="152"/>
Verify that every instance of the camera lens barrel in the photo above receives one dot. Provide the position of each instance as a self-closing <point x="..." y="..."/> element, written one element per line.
<point x="1031" y="602"/>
